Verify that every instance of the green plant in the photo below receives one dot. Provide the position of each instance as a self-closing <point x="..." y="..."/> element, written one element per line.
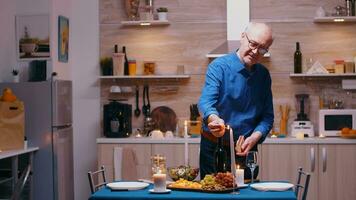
<point x="106" y="64"/>
<point x="162" y="9"/>
<point x="15" y="72"/>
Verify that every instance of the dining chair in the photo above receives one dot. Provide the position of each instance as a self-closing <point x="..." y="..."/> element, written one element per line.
<point x="306" y="177"/>
<point x="21" y="182"/>
<point x="97" y="179"/>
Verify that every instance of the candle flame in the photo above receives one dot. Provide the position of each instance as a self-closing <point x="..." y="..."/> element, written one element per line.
<point x="238" y="166"/>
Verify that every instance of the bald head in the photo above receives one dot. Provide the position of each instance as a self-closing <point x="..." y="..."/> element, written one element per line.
<point x="255" y="41"/>
<point x="260" y="30"/>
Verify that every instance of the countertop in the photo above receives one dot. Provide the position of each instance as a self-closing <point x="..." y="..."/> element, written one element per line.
<point x="288" y="140"/>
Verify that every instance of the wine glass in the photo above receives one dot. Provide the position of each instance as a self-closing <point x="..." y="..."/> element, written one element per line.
<point x="251" y="162"/>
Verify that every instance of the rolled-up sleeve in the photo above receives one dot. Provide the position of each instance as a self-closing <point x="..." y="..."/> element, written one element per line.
<point x="267" y="118"/>
<point x="210" y="93"/>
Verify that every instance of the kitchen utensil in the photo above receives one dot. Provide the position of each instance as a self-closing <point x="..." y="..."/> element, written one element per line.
<point x="148" y="99"/>
<point x="137" y="110"/>
<point x="165" y="118"/>
<point x="146" y="107"/>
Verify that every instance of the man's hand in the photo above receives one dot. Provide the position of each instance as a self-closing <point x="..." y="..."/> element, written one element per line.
<point x="216" y="125"/>
<point x="249" y="143"/>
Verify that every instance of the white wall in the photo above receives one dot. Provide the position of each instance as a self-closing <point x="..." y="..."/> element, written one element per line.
<point x="82" y="68"/>
<point x="84" y="54"/>
<point x="64" y="8"/>
<point x="8" y="10"/>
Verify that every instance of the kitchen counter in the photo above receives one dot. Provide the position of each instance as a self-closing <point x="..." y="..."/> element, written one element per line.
<point x="288" y="140"/>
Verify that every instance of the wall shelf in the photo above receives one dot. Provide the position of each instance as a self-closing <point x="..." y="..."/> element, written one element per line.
<point x="335" y="19"/>
<point x="148" y="79"/>
<point x="143" y="77"/>
<point x="145" y="23"/>
<point x="347" y="75"/>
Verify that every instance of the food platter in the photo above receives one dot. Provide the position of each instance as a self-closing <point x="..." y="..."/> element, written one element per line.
<point x="227" y="190"/>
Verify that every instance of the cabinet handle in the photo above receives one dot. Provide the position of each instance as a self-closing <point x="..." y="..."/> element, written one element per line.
<point x="323" y="151"/>
<point x="312" y="159"/>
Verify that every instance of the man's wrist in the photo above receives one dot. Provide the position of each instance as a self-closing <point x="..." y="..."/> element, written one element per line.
<point x="257" y="135"/>
<point x="212" y="117"/>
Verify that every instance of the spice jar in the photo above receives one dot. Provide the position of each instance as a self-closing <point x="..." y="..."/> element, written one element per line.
<point x="132" y="67"/>
<point x="339" y="67"/>
<point x="158" y="163"/>
<point x="149" y="68"/>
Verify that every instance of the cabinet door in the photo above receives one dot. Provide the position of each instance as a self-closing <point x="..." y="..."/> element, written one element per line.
<point x="174" y="153"/>
<point x="281" y="162"/>
<point x="337" y="172"/>
<point x="143" y="155"/>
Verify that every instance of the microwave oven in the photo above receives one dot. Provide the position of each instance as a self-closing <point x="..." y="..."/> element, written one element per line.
<point x="331" y="121"/>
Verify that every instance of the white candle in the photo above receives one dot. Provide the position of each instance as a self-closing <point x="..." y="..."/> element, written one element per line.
<point x="239" y="176"/>
<point x="159" y="181"/>
<point x="232" y="154"/>
<point x="186" y="162"/>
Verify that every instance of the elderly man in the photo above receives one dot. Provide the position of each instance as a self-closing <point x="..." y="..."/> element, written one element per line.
<point x="237" y="92"/>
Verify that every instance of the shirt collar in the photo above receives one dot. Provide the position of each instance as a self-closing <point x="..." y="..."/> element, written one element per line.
<point x="241" y="65"/>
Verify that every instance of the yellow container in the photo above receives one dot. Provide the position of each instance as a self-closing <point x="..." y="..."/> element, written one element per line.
<point x="132" y="67"/>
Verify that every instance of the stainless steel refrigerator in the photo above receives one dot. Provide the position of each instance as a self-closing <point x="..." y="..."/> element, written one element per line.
<point x="48" y="125"/>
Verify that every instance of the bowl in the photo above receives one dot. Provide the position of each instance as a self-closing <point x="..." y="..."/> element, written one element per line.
<point x="185" y="172"/>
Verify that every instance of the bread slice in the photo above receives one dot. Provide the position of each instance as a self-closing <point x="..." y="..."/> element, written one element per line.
<point x="240" y="141"/>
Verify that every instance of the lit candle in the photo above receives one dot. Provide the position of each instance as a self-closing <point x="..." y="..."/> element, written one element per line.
<point x="239" y="176"/>
<point x="232" y="154"/>
<point x="186" y="162"/>
<point x="159" y="181"/>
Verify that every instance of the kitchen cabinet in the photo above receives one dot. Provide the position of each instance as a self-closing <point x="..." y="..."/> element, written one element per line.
<point x="143" y="155"/>
<point x="332" y="167"/>
<point x="174" y="154"/>
<point x="337" y="174"/>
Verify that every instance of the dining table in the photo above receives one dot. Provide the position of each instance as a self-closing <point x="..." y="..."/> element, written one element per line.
<point x="247" y="193"/>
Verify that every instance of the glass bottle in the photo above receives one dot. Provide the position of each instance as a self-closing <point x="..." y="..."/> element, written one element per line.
<point x="126" y="63"/>
<point x="220" y="157"/>
<point x="297" y="59"/>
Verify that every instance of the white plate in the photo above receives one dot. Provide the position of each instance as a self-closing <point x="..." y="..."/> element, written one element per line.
<point x="242" y="186"/>
<point x="163" y="192"/>
<point x="272" y="186"/>
<point x="127" y="185"/>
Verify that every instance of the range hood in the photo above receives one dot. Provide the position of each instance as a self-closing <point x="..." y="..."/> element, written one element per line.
<point x="238" y="17"/>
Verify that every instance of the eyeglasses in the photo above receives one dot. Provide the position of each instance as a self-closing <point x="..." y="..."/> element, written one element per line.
<point x="254" y="45"/>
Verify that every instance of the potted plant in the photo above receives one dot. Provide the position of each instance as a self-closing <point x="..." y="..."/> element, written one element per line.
<point x="28" y="45"/>
<point x="15" y="74"/>
<point x="106" y="64"/>
<point x="162" y="13"/>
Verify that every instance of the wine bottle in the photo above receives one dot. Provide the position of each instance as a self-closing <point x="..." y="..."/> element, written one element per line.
<point x="126" y="64"/>
<point x="220" y="157"/>
<point x="297" y="59"/>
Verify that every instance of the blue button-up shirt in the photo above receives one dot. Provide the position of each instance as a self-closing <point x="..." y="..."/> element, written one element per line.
<point x="242" y="98"/>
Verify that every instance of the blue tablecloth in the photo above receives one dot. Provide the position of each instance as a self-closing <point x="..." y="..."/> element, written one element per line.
<point x="245" y="194"/>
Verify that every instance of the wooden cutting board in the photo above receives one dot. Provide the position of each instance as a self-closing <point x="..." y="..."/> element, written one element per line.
<point x="165" y="118"/>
